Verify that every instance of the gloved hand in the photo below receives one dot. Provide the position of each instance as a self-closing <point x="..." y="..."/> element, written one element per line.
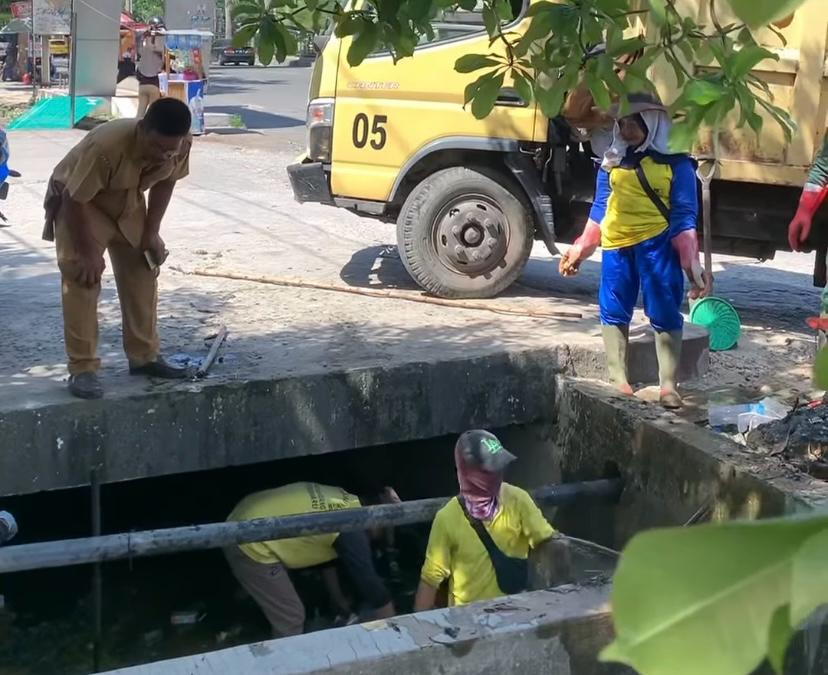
<point x="582" y="249"/>
<point x="686" y="244"/>
<point x="800" y="227"/>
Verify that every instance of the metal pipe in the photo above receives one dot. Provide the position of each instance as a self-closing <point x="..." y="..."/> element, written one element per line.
<point x="216" y="535"/>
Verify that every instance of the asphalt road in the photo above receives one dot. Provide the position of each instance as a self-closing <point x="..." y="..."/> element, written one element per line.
<point x="270" y="100"/>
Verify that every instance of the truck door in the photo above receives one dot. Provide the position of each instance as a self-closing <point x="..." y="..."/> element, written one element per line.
<point x="386" y="114"/>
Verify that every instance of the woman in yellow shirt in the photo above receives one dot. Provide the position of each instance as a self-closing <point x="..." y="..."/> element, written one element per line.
<point x="457" y="550"/>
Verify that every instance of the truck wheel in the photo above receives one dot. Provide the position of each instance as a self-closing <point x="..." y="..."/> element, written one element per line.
<point x="465" y="233"/>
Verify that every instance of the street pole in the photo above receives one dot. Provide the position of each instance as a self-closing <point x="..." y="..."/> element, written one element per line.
<point x="73" y="65"/>
<point x="228" y="19"/>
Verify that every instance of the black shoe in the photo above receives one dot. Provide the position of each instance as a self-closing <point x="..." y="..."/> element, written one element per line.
<point x="85" y="385"/>
<point x="160" y="369"/>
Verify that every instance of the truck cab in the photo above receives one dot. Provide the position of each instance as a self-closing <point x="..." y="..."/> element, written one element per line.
<point x="469" y="197"/>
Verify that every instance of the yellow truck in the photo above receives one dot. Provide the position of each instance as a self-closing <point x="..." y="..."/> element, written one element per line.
<point x="470" y="196"/>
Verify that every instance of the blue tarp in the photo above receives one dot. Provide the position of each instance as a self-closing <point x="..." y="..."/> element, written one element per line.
<point x="54" y="113"/>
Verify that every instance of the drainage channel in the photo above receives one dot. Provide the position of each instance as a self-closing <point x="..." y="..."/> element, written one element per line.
<point x="180" y="604"/>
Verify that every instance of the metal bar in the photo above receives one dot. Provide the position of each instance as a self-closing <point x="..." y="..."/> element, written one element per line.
<point x="216" y="535"/>
<point x="97" y="576"/>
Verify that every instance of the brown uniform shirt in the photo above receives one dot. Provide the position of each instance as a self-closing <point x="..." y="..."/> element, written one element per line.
<point x="108" y="170"/>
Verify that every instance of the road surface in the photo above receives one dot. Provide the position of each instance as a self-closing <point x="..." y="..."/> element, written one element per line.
<point x="270" y="100"/>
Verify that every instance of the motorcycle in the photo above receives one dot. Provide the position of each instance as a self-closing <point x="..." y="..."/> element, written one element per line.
<point x="5" y="171"/>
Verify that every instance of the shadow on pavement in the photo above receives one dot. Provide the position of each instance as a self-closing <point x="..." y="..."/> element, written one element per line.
<point x="257" y="119"/>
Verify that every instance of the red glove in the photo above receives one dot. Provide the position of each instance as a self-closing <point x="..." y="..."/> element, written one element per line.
<point x="800" y="227"/>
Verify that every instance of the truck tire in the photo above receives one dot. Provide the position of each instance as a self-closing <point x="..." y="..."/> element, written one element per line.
<point x="465" y="232"/>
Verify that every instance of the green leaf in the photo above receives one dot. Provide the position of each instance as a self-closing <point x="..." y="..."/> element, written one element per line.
<point x="523" y="86"/>
<point x="266" y="41"/>
<point x="746" y="59"/>
<point x="486" y="95"/>
<point x="703" y="92"/>
<point x="363" y="44"/>
<point x="809" y="582"/>
<point x="349" y="24"/>
<point x="504" y="10"/>
<point x="599" y="91"/>
<point x="551" y="100"/>
<point x="757" y="13"/>
<point x="468" y="5"/>
<point x="288" y="41"/>
<point x="779" y="637"/>
<point x="243" y="37"/>
<point x="490" y="21"/>
<point x="468" y="63"/>
<point x="658" y="10"/>
<point x="703" y="599"/>
<point x="682" y="136"/>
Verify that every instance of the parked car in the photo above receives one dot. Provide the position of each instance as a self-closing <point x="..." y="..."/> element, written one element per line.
<point x="225" y="53"/>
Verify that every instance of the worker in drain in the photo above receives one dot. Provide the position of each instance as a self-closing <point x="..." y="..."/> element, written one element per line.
<point x="262" y="568"/>
<point x="481" y="540"/>
<point x="95" y="203"/>
<point x="644" y="217"/>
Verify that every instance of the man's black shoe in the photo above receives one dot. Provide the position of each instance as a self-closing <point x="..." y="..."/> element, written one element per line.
<point x="160" y="369"/>
<point x="85" y="385"/>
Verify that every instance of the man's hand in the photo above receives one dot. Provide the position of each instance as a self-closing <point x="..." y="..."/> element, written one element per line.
<point x="799" y="230"/>
<point x="90" y="266"/>
<point x="154" y="244"/>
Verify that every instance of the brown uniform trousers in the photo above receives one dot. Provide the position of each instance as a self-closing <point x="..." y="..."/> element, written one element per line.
<point x="137" y="292"/>
<point x="270" y="586"/>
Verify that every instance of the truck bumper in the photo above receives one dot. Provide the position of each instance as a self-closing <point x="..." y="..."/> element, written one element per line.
<point x="309" y="182"/>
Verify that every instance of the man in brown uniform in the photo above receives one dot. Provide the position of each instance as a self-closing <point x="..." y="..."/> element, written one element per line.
<point x="95" y="203"/>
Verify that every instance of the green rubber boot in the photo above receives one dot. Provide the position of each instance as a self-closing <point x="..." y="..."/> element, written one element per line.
<point x="616" y="339"/>
<point x="668" y="352"/>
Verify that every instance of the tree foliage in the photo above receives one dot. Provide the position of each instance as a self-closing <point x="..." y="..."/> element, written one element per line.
<point x="717" y="599"/>
<point x="567" y="42"/>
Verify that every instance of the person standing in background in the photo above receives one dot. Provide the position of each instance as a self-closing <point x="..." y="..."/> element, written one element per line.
<point x="151" y="52"/>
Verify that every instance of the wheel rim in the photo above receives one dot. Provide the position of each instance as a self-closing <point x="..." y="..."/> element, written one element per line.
<point x="471" y="235"/>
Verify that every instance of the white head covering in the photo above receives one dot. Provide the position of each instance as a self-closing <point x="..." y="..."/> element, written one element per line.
<point x="658" y="139"/>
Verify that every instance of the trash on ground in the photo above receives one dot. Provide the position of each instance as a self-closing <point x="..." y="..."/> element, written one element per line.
<point x="747" y="416"/>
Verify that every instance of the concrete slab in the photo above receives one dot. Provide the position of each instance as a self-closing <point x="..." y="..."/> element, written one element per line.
<point x="303" y="370"/>
<point x="556" y="632"/>
<point x="672" y="469"/>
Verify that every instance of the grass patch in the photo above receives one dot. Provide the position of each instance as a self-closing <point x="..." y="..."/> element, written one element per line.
<point x="11" y="111"/>
<point x="236" y="122"/>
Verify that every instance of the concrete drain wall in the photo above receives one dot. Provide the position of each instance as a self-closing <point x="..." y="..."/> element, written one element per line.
<point x="672" y="469"/>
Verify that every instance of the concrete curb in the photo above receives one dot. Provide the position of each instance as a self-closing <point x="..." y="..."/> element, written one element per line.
<point x="555" y="631"/>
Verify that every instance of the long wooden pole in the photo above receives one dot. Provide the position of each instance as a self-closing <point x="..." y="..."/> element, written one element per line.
<point x="216" y="535"/>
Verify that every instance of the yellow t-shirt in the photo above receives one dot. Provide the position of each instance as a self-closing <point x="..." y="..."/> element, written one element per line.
<point x="287" y="500"/>
<point x="631" y="216"/>
<point x="456" y="553"/>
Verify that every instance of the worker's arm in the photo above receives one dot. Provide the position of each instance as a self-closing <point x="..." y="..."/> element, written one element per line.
<point x="585" y="245"/>
<point x="684" y="214"/>
<point x="549" y="560"/>
<point x="330" y="577"/>
<point x="426" y="597"/>
<point x="89" y="178"/>
<point x="159" y="199"/>
<point x="813" y="194"/>
<point x="354" y="551"/>
<point x="436" y="567"/>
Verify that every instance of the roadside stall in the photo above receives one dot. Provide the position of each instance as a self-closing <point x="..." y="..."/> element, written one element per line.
<point x="187" y="70"/>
